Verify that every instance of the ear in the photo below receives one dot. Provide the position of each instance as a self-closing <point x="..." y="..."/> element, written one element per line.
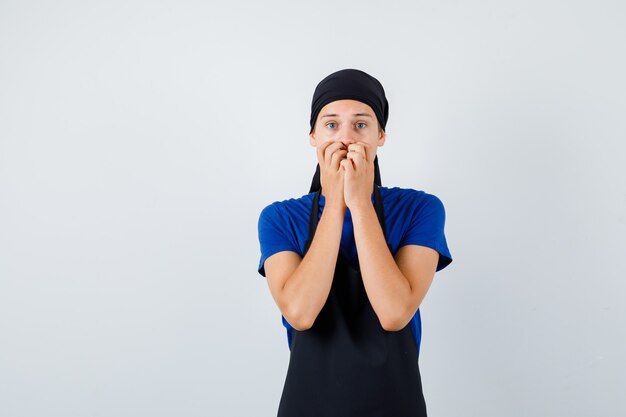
<point x="312" y="139"/>
<point x="381" y="137"/>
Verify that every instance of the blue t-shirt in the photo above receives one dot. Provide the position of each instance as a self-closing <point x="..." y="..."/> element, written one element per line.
<point x="411" y="218"/>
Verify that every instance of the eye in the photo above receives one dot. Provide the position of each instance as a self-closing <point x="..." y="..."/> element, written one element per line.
<point x="361" y="123"/>
<point x="330" y="123"/>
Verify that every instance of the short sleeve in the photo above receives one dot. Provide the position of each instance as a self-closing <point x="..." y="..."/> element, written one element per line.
<point x="274" y="236"/>
<point x="426" y="228"/>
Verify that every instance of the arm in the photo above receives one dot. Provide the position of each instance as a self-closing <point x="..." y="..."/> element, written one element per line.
<point x="395" y="287"/>
<point x="300" y="286"/>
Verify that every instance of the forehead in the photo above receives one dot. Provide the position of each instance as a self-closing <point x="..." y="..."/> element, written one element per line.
<point x="346" y="106"/>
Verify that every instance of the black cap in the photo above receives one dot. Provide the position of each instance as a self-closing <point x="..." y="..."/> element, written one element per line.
<point x="351" y="84"/>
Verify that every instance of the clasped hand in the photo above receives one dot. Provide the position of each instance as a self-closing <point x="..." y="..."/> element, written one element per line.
<point x="347" y="174"/>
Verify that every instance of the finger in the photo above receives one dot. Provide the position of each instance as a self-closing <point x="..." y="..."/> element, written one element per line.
<point x="368" y="151"/>
<point x="363" y="149"/>
<point x="320" y="152"/>
<point x="337" y="157"/>
<point x="357" y="159"/>
<point x="355" y="148"/>
<point x="358" y="149"/>
<point x="345" y="165"/>
<point x="335" y="146"/>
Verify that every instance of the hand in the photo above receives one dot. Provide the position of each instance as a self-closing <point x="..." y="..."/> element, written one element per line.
<point x="359" y="175"/>
<point x="329" y="156"/>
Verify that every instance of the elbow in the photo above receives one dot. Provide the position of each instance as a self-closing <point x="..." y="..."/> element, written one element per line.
<point x="298" y="320"/>
<point x="399" y="317"/>
<point x="391" y="325"/>
<point x="296" y="313"/>
<point x="302" y="324"/>
<point x="394" y="323"/>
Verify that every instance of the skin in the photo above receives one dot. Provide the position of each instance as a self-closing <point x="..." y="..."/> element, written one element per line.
<point x="346" y="145"/>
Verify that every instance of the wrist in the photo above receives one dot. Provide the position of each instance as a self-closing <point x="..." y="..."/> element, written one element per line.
<point x="361" y="209"/>
<point x="335" y="207"/>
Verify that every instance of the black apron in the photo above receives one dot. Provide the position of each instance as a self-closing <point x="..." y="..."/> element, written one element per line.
<point x="346" y="364"/>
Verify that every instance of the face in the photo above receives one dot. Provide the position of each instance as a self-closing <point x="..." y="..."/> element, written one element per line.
<point x="347" y="121"/>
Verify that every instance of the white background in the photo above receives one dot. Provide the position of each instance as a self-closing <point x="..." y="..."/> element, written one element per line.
<point x="139" y="141"/>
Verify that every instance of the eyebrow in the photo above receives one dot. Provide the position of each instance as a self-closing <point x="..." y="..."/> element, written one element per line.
<point x="355" y="114"/>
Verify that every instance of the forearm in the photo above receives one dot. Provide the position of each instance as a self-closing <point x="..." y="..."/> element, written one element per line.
<point x="308" y="287"/>
<point x="387" y="288"/>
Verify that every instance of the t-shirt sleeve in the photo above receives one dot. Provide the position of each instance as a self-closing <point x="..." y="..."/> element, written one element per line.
<point x="426" y="228"/>
<point x="274" y="236"/>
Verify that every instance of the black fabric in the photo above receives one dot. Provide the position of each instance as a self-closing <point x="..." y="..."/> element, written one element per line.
<point x="316" y="183"/>
<point x="351" y="84"/>
<point x="346" y="364"/>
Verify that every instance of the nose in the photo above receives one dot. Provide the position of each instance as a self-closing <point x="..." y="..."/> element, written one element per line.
<point x="347" y="142"/>
<point x="347" y="135"/>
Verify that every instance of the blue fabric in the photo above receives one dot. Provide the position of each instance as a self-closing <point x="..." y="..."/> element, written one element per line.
<point x="412" y="218"/>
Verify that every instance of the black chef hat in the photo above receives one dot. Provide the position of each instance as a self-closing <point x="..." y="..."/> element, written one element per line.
<point x="355" y="85"/>
<point x="350" y="84"/>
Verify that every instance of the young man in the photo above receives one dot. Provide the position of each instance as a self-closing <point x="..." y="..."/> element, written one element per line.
<point x="349" y="264"/>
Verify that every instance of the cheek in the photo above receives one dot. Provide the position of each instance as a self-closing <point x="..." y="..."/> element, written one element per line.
<point x="329" y="134"/>
<point x="324" y="138"/>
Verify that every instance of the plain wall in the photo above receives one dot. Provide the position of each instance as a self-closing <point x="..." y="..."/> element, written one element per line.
<point x="140" y="140"/>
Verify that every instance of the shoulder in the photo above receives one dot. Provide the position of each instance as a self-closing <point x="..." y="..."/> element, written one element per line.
<point x="287" y="207"/>
<point x="420" y="217"/>
<point x="409" y="198"/>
